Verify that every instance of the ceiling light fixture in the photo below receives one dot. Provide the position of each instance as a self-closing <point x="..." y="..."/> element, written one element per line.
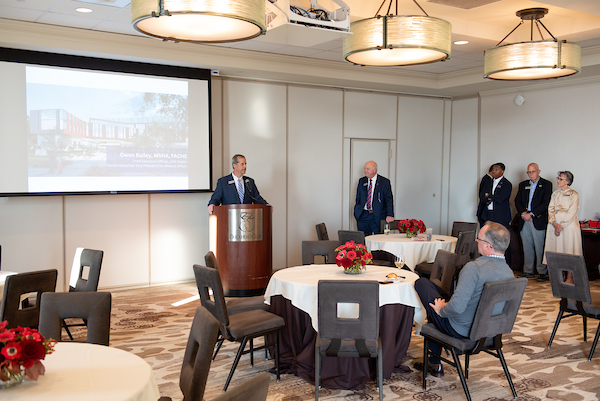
<point x="397" y="40"/>
<point x="461" y="42"/>
<point x="83" y="10"/>
<point x="205" y="21"/>
<point x="542" y="59"/>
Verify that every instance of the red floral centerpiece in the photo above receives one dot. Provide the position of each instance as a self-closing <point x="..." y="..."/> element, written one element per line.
<point x="353" y="257"/>
<point x="411" y="227"/>
<point x="21" y="352"/>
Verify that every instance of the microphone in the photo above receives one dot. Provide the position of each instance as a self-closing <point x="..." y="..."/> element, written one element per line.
<point x="248" y="190"/>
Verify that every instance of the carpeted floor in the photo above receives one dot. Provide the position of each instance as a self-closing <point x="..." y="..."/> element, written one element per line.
<point x="145" y="323"/>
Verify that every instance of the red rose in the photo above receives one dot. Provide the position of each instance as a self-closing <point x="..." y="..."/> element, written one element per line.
<point x="31" y="351"/>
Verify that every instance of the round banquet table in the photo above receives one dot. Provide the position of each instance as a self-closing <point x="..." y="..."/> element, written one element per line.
<point x="412" y="250"/>
<point x="80" y="371"/>
<point x="292" y="294"/>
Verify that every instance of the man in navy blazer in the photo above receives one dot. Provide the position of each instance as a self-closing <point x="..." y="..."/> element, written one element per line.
<point x="369" y="215"/>
<point x="485" y="186"/>
<point x="532" y="202"/>
<point x="497" y="200"/>
<point x="235" y="188"/>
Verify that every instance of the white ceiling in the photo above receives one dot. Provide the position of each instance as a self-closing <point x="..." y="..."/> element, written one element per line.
<point x="483" y="25"/>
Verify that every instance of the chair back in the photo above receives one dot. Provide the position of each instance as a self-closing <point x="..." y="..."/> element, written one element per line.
<point x="460" y="226"/>
<point x="254" y="389"/>
<point x="211" y="260"/>
<point x="208" y="279"/>
<point x="466" y="239"/>
<point x="356" y="236"/>
<point x="362" y="292"/>
<point x="393" y="225"/>
<point x="560" y="263"/>
<point x="310" y="249"/>
<point x="322" y="232"/>
<point x="22" y="284"/>
<point x="198" y="355"/>
<point x="92" y="259"/>
<point x="443" y="270"/>
<point x="498" y="307"/>
<point x="93" y="307"/>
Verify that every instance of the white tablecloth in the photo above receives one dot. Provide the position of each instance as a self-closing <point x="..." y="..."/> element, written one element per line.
<point x="413" y="251"/>
<point x="90" y="372"/>
<point x="299" y="285"/>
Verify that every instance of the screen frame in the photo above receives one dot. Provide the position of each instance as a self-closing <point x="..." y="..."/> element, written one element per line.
<point x="120" y="66"/>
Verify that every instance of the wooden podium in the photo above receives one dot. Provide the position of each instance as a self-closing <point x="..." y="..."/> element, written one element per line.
<point x="242" y="243"/>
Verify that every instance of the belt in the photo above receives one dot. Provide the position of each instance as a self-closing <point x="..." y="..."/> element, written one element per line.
<point x="369" y="211"/>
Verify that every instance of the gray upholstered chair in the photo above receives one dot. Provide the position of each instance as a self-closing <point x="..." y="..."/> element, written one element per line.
<point x="243" y="327"/>
<point x="356" y="236"/>
<point x="255" y="389"/>
<point x="576" y="298"/>
<point x="496" y="314"/>
<point x="93" y="307"/>
<point x="443" y="270"/>
<point x="22" y="284"/>
<point x="461" y="226"/>
<point x="241" y="304"/>
<point x="85" y="275"/>
<point x="310" y="249"/>
<point x="348" y="336"/>
<point x="322" y="232"/>
<point x="466" y="239"/>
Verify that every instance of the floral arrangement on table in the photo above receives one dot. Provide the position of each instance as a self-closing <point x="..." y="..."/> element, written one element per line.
<point x="411" y="227"/>
<point x="21" y="351"/>
<point x="353" y="257"/>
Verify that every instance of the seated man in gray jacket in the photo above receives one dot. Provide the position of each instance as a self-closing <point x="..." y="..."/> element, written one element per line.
<point x="455" y="316"/>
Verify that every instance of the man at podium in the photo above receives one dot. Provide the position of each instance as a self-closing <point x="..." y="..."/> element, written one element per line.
<point x="235" y="188"/>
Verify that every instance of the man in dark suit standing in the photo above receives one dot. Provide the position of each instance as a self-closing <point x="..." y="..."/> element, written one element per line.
<point x="374" y="200"/>
<point x="485" y="186"/>
<point x="235" y="188"/>
<point x="497" y="199"/>
<point x="532" y="202"/>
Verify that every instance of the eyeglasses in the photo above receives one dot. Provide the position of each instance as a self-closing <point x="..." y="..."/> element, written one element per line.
<point x="560" y="179"/>
<point x="482" y="240"/>
<point x="532" y="172"/>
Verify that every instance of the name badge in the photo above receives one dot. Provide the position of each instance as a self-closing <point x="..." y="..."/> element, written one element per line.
<point x="567" y="195"/>
<point x="231" y="182"/>
<point x="529" y="187"/>
<point x="365" y="184"/>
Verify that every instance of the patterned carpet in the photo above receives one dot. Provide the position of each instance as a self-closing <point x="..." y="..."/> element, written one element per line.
<point x="145" y="323"/>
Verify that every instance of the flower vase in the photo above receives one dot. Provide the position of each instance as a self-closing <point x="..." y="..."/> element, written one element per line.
<point x="410" y="234"/>
<point x="14" y="379"/>
<point x="354" y="269"/>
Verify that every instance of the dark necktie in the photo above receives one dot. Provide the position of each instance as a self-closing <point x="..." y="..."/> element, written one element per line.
<point x="370" y="195"/>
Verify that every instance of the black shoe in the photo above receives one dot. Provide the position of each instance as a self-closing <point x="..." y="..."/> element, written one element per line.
<point x="526" y="275"/>
<point x="433" y="369"/>
<point x="542" y="278"/>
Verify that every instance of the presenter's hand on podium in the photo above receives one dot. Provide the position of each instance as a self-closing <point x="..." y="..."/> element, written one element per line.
<point x="211" y="208"/>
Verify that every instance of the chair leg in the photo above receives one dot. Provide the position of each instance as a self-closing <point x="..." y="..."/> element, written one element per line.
<point x="467" y="366"/>
<point x="425" y="361"/>
<point x="220" y="341"/>
<point x="585" y="329"/>
<point x="380" y="373"/>
<point x="595" y="342"/>
<point x="317" y="372"/>
<point x="266" y="349"/>
<point x="506" y="372"/>
<point x="252" y="352"/>
<point x="558" y="319"/>
<point x="64" y="324"/>
<point x="461" y="375"/>
<point x="236" y="361"/>
<point x="277" y="355"/>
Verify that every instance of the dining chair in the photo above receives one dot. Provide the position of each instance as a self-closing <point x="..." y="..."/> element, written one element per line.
<point x="238" y="304"/>
<point x="85" y="275"/>
<point x="356" y="236"/>
<point x="254" y="389"/>
<point x="322" y="232"/>
<point x="461" y="226"/>
<point x="495" y="315"/>
<point x="326" y="249"/>
<point x="354" y="336"/>
<point x="198" y="355"/>
<point x="93" y="307"/>
<point x="22" y="284"/>
<point x="393" y="225"/>
<point x="462" y="250"/>
<point x="443" y="270"/>
<point x="242" y="327"/>
<point x="576" y="299"/>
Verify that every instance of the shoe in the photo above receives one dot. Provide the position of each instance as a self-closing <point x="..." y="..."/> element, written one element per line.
<point x="526" y="275"/>
<point x="542" y="277"/>
<point x="433" y="369"/>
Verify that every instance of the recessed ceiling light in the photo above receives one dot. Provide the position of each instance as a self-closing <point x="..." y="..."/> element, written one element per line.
<point x="461" y="42"/>
<point x="83" y="10"/>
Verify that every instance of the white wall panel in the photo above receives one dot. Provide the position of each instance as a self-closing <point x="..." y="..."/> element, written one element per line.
<point x="254" y="124"/>
<point x="465" y="172"/>
<point x="315" y="166"/>
<point x="178" y="235"/>
<point x="369" y="115"/>
<point x="31" y="234"/>
<point x="419" y="159"/>
<point x="117" y="225"/>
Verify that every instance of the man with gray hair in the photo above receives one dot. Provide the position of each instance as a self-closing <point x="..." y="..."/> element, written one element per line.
<point x="455" y="316"/>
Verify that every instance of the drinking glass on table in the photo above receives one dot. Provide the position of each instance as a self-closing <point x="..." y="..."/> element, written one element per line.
<point x="399" y="261"/>
<point x="386" y="229"/>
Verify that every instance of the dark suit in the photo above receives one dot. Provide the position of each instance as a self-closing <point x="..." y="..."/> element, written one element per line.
<point x="533" y="233"/>
<point x="485" y="186"/>
<point x="501" y="203"/>
<point x="226" y="192"/>
<point x="382" y="204"/>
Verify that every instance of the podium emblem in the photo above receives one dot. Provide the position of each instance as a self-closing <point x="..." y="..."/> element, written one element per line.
<point x="245" y="225"/>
